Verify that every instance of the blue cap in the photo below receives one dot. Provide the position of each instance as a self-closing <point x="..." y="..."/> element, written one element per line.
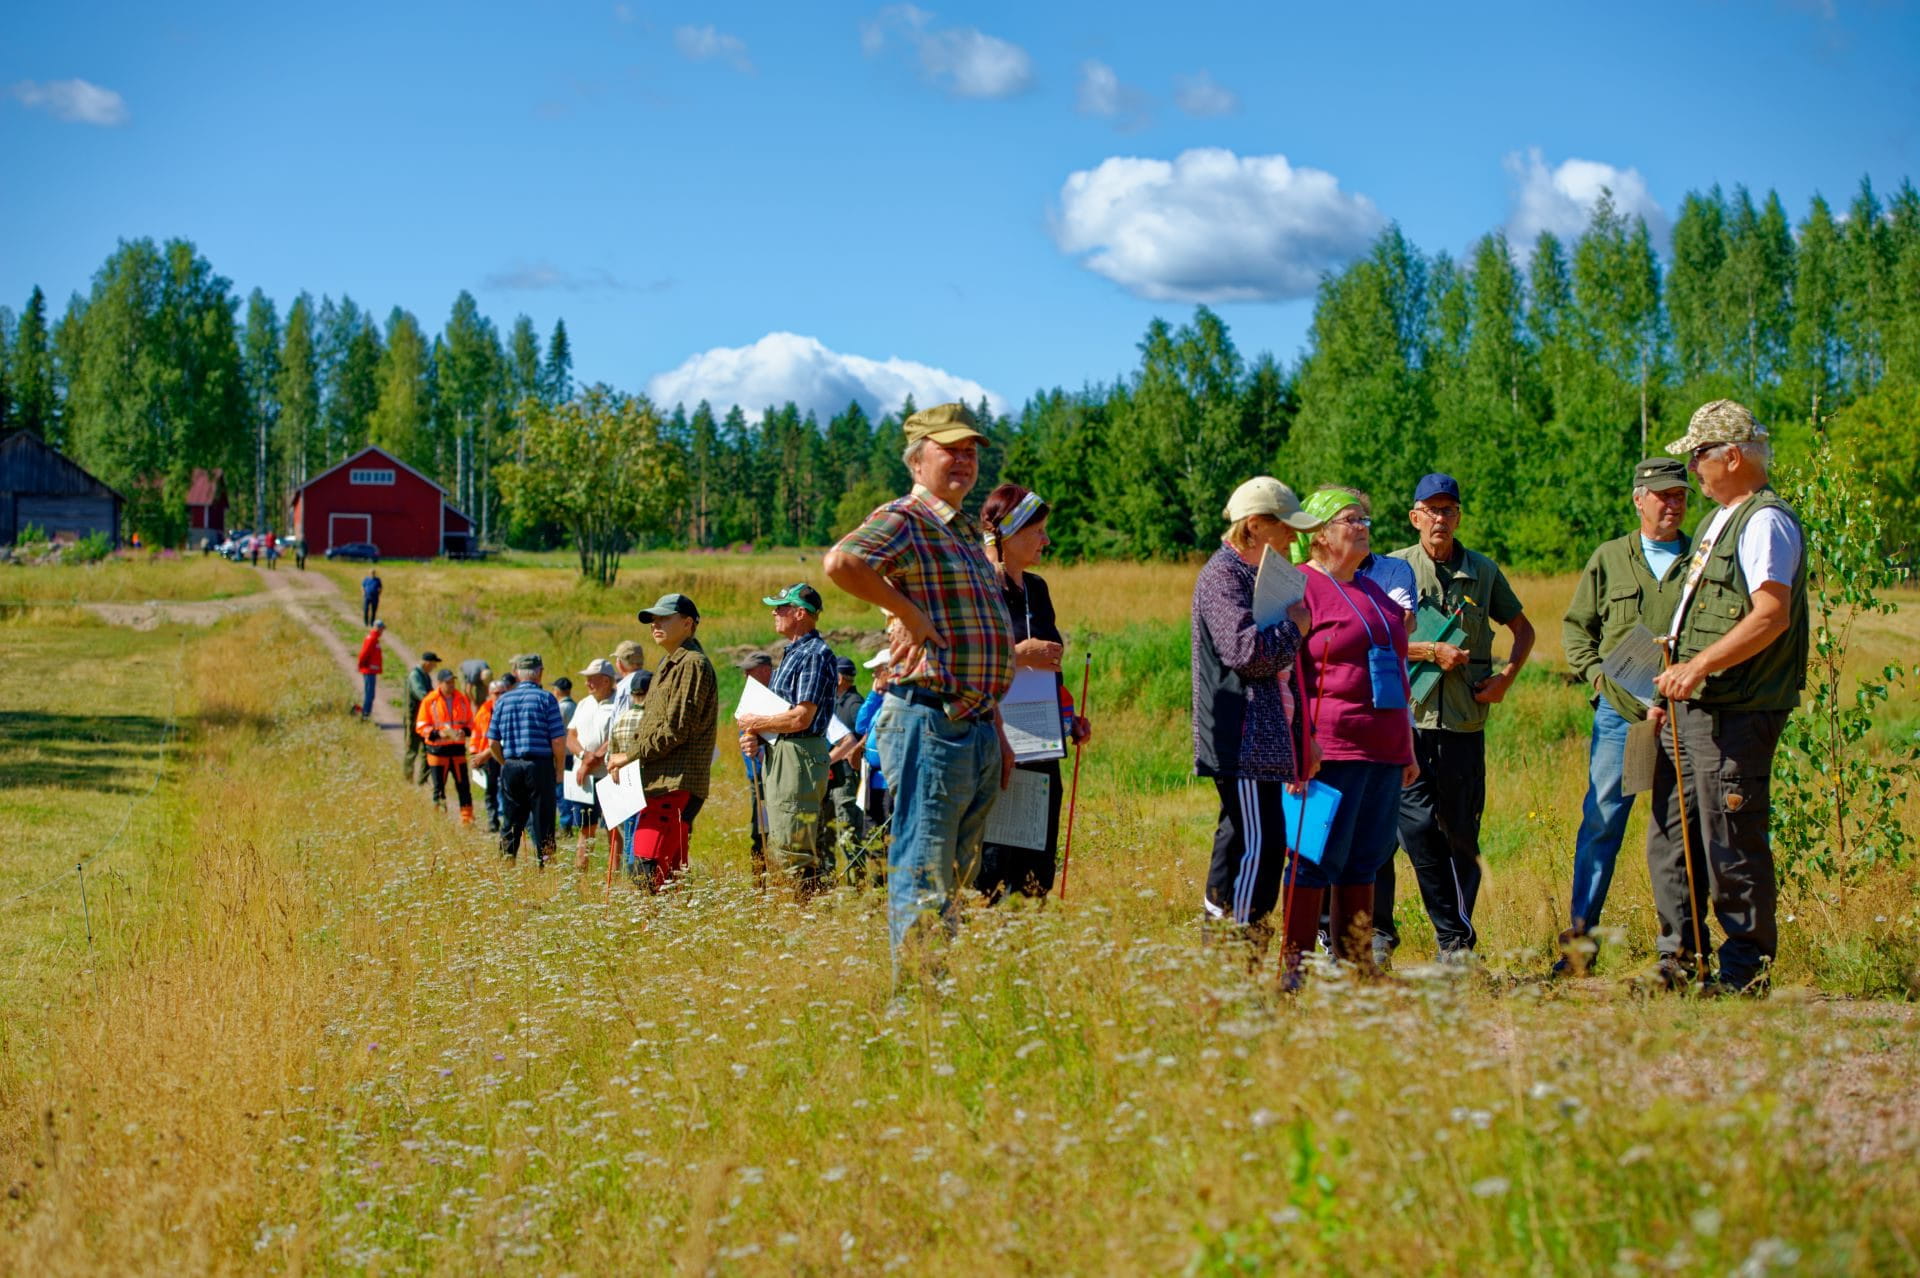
<point x="1436" y="485"/>
<point x="845" y="666"/>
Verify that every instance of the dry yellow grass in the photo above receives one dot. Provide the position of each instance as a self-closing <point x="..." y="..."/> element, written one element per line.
<point x="345" y="1038"/>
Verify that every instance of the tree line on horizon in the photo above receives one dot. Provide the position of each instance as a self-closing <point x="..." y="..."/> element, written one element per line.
<point x="1537" y="379"/>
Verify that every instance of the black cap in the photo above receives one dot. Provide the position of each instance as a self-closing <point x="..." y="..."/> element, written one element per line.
<point x="429" y="656"/>
<point x="1659" y="474"/>
<point x="669" y="605"/>
<point x="845" y="666"/>
<point x="563" y="684"/>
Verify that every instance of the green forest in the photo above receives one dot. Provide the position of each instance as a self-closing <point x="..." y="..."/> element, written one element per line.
<point x="1537" y="378"/>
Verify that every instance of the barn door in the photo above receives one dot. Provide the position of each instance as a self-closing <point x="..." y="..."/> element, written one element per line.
<point x="342" y="529"/>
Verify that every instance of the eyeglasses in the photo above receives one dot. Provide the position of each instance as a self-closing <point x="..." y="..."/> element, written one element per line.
<point x="1439" y="512"/>
<point x="1359" y="522"/>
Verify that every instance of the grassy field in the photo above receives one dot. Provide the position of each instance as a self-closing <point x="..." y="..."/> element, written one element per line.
<point x="322" y="1031"/>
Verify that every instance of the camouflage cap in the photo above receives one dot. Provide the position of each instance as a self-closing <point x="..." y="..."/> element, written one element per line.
<point x="1660" y="474"/>
<point x="1724" y="421"/>
<point x="944" y="424"/>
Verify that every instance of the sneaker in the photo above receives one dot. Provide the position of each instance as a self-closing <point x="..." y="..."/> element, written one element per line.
<point x="1382" y="952"/>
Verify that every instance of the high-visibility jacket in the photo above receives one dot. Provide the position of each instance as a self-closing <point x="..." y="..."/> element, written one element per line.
<point x="370" y="653"/>
<point x="445" y="721"/>
<point x="482" y="720"/>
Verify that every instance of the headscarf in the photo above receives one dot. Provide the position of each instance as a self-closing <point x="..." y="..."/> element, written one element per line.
<point x="1020" y="516"/>
<point x="1323" y="504"/>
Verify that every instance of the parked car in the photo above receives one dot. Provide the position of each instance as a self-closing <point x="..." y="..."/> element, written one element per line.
<point x="355" y="550"/>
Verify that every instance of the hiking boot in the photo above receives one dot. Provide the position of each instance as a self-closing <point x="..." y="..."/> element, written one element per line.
<point x="1382" y="952"/>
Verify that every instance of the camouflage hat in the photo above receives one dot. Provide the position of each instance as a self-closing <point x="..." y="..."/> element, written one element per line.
<point x="1660" y="474"/>
<point x="1724" y="421"/>
<point x="944" y="424"/>
<point x="528" y="661"/>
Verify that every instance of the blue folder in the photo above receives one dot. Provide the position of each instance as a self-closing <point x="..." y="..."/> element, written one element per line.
<point x="1309" y="819"/>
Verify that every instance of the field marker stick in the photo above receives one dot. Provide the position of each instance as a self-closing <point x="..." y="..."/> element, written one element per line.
<point x="86" y="911"/>
<point x="1686" y="843"/>
<point x="1291" y="864"/>
<point x="1073" y="795"/>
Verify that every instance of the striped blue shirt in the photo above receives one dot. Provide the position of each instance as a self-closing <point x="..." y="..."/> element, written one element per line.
<point x="526" y="720"/>
<point x="807" y="673"/>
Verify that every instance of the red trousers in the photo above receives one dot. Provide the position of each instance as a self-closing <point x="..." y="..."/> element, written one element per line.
<point x="660" y="834"/>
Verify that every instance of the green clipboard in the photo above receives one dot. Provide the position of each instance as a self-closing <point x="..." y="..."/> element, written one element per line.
<point x="1430" y="625"/>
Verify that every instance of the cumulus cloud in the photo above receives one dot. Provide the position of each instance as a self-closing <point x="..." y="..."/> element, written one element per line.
<point x="709" y="43"/>
<point x="966" y="60"/>
<point x="1561" y="199"/>
<point x="1200" y="94"/>
<point x="1212" y="226"/>
<point x="534" y="277"/>
<point x="1102" y="93"/>
<point x="75" y="101"/>
<point x="786" y="366"/>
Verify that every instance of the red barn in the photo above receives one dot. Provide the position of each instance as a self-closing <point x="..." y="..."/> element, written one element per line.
<point x="207" y="506"/>
<point x="374" y="496"/>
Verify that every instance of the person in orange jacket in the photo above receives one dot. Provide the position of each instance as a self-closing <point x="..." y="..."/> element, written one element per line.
<point x="445" y="725"/>
<point x="369" y="667"/>
<point x="482" y="720"/>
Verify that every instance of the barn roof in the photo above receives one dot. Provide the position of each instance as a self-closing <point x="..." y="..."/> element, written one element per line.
<point x="28" y="464"/>
<point x="360" y="456"/>
<point x="205" y="488"/>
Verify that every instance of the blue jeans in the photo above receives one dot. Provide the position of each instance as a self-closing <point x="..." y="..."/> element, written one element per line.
<point x="946" y="776"/>
<point x="1364" y="826"/>
<point x="366" y="699"/>
<point x="1603" y="818"/>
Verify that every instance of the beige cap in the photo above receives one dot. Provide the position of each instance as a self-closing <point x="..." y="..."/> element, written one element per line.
<point x="1724" y="421"/>
<point x="944" y="424"/>
<point x="1265" y="495"/>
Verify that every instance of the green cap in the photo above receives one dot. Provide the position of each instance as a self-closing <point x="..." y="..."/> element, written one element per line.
<point x="668" y="606"/>
<point x="1660" y="474"/>
<point x="1323" y="504"/>
<point x="799" y="594"/>
<point x="944" y="424"/>
<point x="1724" y="421"/>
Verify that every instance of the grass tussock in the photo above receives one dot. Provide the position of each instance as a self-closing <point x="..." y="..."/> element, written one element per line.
<point x="127" y="579"/>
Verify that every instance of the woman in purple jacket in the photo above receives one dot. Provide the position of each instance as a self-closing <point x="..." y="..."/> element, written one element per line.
<point x="1242" y="729"/>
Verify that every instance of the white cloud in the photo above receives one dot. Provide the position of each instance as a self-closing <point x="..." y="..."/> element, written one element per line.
<point x="534" y="277"/>
<point x="76" y="101"/>
<point x="708" y="43"/>
<point x="1201" y="94"/>
<point x="786" y="366"/>
<point x="1103" y="93"/>
<point x="968" y="61"/>
<point x="1212" y="226"/>
<point x="1561" y="199"/>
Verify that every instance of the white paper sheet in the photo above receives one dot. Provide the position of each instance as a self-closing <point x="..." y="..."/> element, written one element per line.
<point x="1019" y="815"/>
<point x="758" y="698"/>
<point x="835" y="730"/>
<point x="569" y="789"/>
<point x="622" y="798"/>
<point x="1278" y="587"/>
<point x="477" y="772"/>
<point x="1031" y="712"/>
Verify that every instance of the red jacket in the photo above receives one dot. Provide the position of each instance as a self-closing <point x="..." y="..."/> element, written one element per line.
<point x="370" y="653"/>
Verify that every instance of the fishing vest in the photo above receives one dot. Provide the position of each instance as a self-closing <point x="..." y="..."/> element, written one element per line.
<point x="1772" y="678"/>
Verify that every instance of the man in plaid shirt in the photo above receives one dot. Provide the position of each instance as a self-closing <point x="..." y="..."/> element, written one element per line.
<point x="796" y="762"/>
<point x="941" y="744"/>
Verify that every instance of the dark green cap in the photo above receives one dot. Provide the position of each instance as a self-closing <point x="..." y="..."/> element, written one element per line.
<point x="1659" y="474"/>
<point x="668" y="606"/>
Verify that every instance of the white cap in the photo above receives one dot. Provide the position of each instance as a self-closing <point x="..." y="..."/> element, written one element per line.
<point x="880" y="658"/>
<point x="1265" y="495"/>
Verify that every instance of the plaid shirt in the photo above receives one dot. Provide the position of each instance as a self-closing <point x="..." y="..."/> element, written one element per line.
<point x="674" y="738"/>
<point x="807" y="673"/>
<point x="931" y="553"/>
<point x="526" y="721"/>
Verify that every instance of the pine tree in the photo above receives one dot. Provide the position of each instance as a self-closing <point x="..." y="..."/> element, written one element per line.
<point x="30" y="373"/>
<point x="402" y="417"/>
<point x="1754" y="285"/>
<point x="260" y="371"/>
<point x="297" y="392"/>
<point x="1814" y="354"/>
<point x="557" y="374"/>
<point x="1866" y="290"/>
<point x="1700" y="339"/>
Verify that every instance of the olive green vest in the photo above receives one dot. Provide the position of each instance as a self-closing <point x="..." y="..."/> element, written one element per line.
<point x="1772" y="678"/>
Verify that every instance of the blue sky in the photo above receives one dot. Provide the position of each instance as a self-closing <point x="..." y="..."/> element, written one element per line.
<point x="940" y="198"/>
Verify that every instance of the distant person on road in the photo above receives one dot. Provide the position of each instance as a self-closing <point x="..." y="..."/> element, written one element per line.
<point x="483" y="757"/>
<point x="796" y="761"/>
<point x="300" y="553"/>
<point x="1014" y="520"/>
<point x="1739" y="639"/>
<point x="444" y="724"/>
<point x="370" y="597"/>
<point x="1243" y="728"/>
<point x="420" y="684"/>
<point x="528" y="741"/>
<point x="273" y="553"/>
<point x="1630" y="581"/>
<point x="1440" y="812"/>
<point x="369" y="666"/>
<point x="919" y="558"/>
<point x="671" y="744"/>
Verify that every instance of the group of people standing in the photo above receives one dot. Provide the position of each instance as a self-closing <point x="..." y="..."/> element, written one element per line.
<point x="1375" y="687"/>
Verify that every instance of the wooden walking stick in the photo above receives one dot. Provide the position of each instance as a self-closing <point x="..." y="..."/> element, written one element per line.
<point x="1686" y="843"/>
<point x="1073" y="793"/>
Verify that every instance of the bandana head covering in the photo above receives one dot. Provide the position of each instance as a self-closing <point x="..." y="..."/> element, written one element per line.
<point x="1019" y="517"/>
<point x="1323" y="505"/>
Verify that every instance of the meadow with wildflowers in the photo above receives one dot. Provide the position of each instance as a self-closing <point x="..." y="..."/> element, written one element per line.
<point x="319" y="1029"/>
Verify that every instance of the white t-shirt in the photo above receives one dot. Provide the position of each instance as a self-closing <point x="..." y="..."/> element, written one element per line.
<point x="1769" y="550"/>
<point x="591" y="720"/>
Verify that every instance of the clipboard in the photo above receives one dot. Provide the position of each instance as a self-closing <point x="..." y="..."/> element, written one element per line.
<point x="1430" y="625"/>
<point x="1309" y="819"/>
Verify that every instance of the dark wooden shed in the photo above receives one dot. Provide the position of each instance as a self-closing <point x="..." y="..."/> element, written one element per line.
<point x="40" y="487"/>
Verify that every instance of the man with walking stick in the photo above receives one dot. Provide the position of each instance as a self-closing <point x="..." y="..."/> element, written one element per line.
<point x="1739" y="659"/>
